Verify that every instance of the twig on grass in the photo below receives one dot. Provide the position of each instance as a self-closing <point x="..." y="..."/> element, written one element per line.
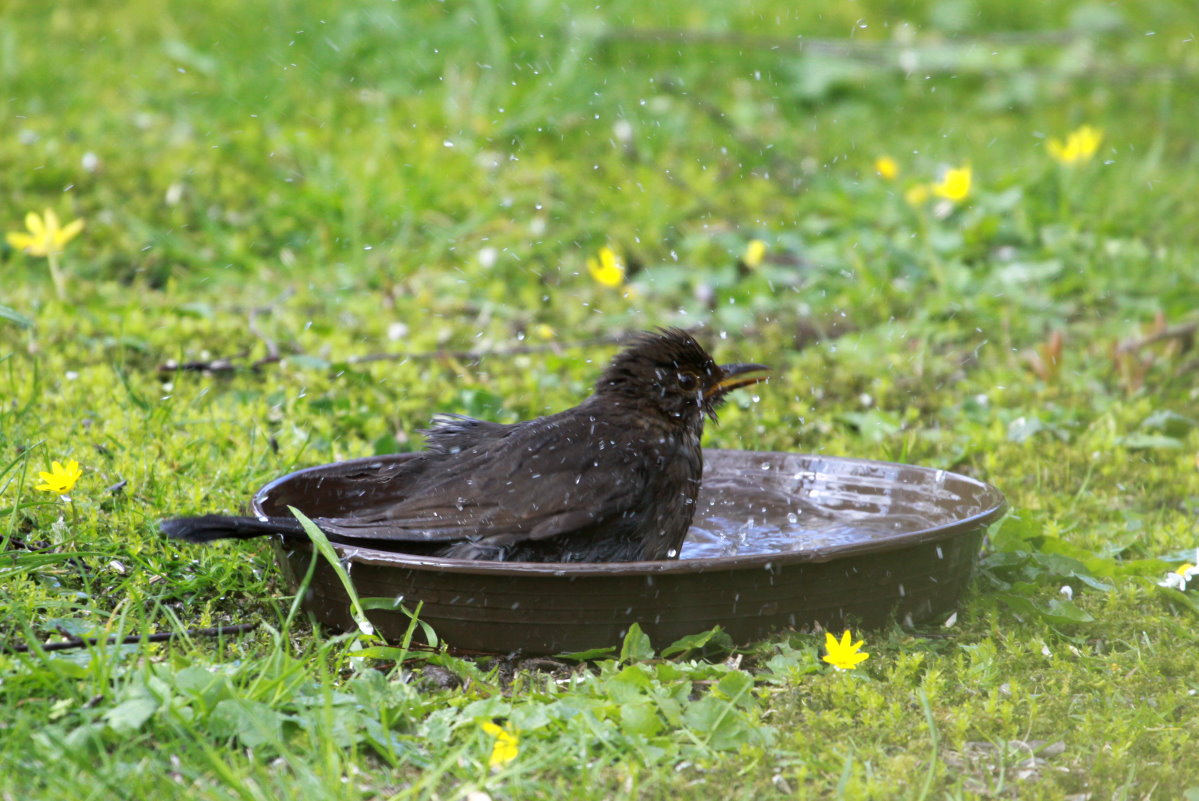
<point x="875" y="51"/>
<point x="161" y="636"/>
<point x="228" y="364"/>
<point x="1184" y="333"/>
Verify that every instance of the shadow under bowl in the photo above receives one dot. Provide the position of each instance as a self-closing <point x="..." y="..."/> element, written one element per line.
<point x="779" y="540"/>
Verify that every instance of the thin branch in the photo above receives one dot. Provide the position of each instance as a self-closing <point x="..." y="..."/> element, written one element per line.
<point x="227" y="364"/>
<point x="1182" y="332"/>
<point x="888" y="53"/>
<point x="865" y="49"/>
<point x="133" y="639"/>
<point x="476" y="355"/>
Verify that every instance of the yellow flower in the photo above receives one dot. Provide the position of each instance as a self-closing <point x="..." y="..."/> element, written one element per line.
<point x="608" y="270"/>
<point x="755" y="251"/>
<point x="886" y="167"/>
<point x="955" y="185"/>
<point x="45" y="237"/>
<point x="544" y="331"/>
<point x="61" y="478"/>
<point x="843" y="655"/>
<point x="1081" y="145"/>
<point x="916" y="195"/>
<point x="506" y="747"/>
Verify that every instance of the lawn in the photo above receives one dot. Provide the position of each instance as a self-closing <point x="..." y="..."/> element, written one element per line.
<point x="964" y="233"/>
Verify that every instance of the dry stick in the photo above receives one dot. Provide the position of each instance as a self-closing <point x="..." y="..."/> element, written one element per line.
<point x="133" y="639"/>
<point x="809" y="333"/>
<point x="886" y="53"/>
<point x="1181" y="331"/>
<point x="862" y="49"/>
<point x="225" y="364"/>
<point x="476" y="355"/>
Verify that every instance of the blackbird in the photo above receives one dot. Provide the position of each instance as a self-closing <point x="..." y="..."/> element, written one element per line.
<point x="612" y="480"/>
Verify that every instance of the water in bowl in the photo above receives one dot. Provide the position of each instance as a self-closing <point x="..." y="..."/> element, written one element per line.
<point x="771" y="508"/>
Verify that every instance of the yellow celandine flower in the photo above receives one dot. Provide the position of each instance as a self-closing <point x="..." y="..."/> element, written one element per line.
<point x="506" y="747"/>
<point x="45" y="237"/>
<point x="1080" y="146"/>
<point x="608" y="270"/>
<point x="61" y="478"/>
<point x="843" y="655"/>
<point x="916" y="195"/>
<point x="755" y="251"/>
<point x="886" y="167"/>
<point x="955" y="185"/>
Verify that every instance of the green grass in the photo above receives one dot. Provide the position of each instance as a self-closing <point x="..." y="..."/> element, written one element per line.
<point x="407" y="179"/>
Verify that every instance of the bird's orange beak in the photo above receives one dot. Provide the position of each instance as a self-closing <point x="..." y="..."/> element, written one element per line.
<point x="735" y="376"/>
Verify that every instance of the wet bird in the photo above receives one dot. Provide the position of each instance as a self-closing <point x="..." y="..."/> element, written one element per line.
<point x="613" y="479"/>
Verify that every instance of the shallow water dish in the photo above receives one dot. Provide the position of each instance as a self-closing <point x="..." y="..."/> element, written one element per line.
<point x="779" y="540"/>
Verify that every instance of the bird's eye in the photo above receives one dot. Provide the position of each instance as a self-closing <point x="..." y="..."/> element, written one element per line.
<point x="687" y="381"/>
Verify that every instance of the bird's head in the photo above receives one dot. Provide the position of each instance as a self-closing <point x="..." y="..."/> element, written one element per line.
<point x="671" y="373"/>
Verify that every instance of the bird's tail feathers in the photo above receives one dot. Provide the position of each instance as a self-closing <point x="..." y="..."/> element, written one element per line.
<point x="207" y="528"/>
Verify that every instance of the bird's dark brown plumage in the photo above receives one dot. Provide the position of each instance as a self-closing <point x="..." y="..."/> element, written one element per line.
<point x="613" y="479"/>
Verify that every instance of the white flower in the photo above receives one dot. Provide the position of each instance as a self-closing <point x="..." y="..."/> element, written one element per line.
<point x="1174" y="580"/>
<point x="1179" y="578"/>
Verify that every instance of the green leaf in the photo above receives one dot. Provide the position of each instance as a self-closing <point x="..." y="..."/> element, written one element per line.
<point x="389" y="652"/>
<point x="685" y="645"/>
<point x="735" y="687"/>
<point x="1181" y="599"/>
<point x="629" y="684"/>
<point x="464" y="669"/>
<point x="1170" y="423"/>
<point x="1058" y="611"/>
<point x="129" y="716"/>
<point x="1061" y="610"/>
<point x="640" y="717"/>
<point x="322" y="545"/>
<point x="717" y="723"/>
<point x="1094" y="583"/>
<point x="206" y="687"/>
<point x="14" y="316"/>
<point x="529" y="716"/>
<point x="791" y="663"/>
<point x="1143" y="442"/>
<point x="393" y="604"/>
<point x="588" y="655"/>
<point x="636" y="645"/>
<point x="253" y="724"/>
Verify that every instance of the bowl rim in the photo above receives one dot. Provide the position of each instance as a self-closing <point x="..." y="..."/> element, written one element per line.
<point x="764" y="561"/>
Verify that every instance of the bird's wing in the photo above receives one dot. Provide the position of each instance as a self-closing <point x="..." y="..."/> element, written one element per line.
<point x="544" y="478"/>
<point x="453" y="433"/>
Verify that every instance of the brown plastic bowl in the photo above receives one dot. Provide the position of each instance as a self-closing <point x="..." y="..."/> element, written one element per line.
<point x="905" y="540"/>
